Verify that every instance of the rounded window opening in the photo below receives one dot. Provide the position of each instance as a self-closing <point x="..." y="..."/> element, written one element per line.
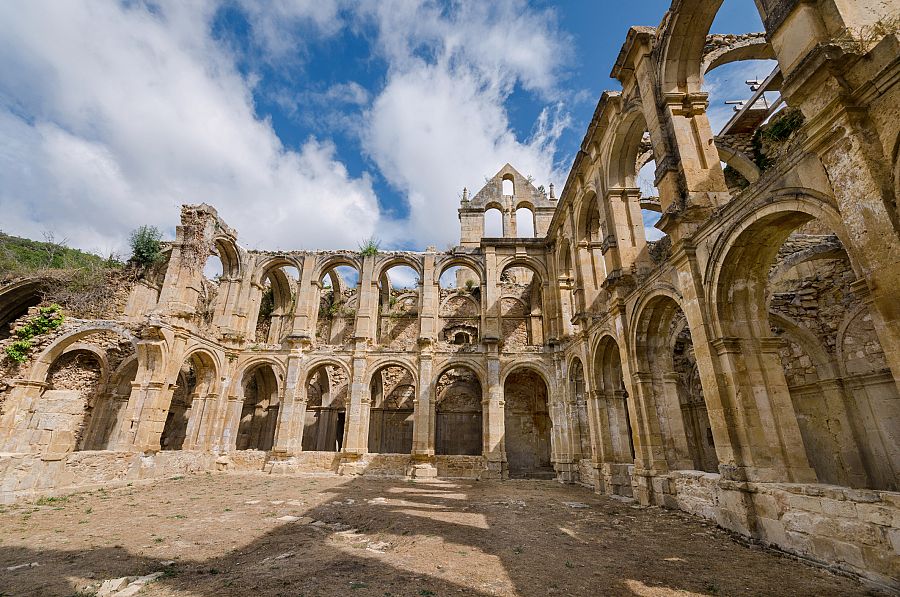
<point x="398" y="307"/>
<point x="392" y="392"/>
<point x="521" y="308"/>
<point x="460" y="305"/>
<point x="509" y="188"/>
<point x="338" y="300"/>
<point x="458" y="420"/>
<point x="493" y="223"/>
<point x="259" y="410"/>
<point x="650" y="205"/>
<point x="527" y="426"/>
<point x="524" y="222"/>
<point x="276" y="304"/>
<point x="327" y="395"/>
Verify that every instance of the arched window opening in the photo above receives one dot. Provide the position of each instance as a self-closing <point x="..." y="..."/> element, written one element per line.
<point x="524" y="223"/>
<point x="276" y="305"/>
<point x="650" y="205"/>
<point x="195" y="379"/>
<point x="208" y="299"/>
<point x="527" y="426"/>
<point x="74" y="386"/>
<point x="398" y="307"/>
<point x="833" y="362"/>
<point x="15" y="301"/>
<point x="508" y="187"/>
<point x="521" y="304"/>
<point x="327" y="395"/>
<point x="338" y="301"/>
<point x="616" y="428"/>
<point x="392" y="393"/>
<point x="458" y="413"/>
<point x="493" y="223"/>
<point x="578" y="395"/>
<point x="666" y="355"/>
<point x="259" y="409"/>
<point x="105" y="417"/>
<point x="460" y="305"/>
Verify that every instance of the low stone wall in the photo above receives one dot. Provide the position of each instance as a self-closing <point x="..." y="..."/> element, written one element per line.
<point x="851" y="530"/>
<point x="29" y="475"/>
<point x="461" y="467"/>
<point x="305" y="462"/>
<point x="587" y="473"/>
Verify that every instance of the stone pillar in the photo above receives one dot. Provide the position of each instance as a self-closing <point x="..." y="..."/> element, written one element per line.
<point x="292" y="415"/>
<point x="356" y="441"/>
<point x="424" y="410"/>
<point x="672" y="423"/>
<point x="492" y="406"/>
<point x="231" y="422"/>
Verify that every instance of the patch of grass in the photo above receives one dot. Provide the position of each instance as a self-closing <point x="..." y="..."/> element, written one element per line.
<point x="569" y="564"/>
<point x="358" y="585"/>
<point x="518" y="549"/>
<point x="369" y="247"/>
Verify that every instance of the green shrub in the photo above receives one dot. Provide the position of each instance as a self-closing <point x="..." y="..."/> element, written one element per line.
<point x="47" y="319"/>
<point x="369" y="247"/>
<point x="146" y="245"/>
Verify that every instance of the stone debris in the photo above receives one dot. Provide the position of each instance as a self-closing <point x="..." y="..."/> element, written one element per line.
<point x="125" y="586"/>
<point x="21" y="566"/>
<point x="378" y="546"/>
<point x="252" y="502"/>
<point x="575" y="505"/>
<point x="276" y="502"/>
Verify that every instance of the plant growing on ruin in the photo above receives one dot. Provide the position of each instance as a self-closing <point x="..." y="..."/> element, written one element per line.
<point x="47" y="319"/>
<point x="369" y="247"/>
<point x="146" y="245"/>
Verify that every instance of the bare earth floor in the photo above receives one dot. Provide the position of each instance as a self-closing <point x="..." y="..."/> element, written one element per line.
<point x="233" y="534"/>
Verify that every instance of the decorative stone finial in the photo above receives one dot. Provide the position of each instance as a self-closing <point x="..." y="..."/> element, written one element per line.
<point x="552" y="194"/>
<point x="465" y="198"/>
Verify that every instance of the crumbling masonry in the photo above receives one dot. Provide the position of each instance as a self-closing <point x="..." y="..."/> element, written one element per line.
<point x="744" y="368"/>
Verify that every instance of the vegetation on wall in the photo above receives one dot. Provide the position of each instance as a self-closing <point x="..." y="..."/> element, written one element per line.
<point x="769" y="138"/>
<point x="46" y="320"/>
<point x="369" y="247"/>
<point x="146" y="245"/>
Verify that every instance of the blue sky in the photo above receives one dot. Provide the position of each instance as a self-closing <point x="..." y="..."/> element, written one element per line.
<point x="308" y="124"/>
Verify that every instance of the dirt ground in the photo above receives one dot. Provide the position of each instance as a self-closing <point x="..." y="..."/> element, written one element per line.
<point x="227" y="534"/>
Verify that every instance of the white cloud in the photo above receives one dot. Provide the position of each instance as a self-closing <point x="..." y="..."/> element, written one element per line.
<point x="441" y="121"/>
<point x="112" y="115"/>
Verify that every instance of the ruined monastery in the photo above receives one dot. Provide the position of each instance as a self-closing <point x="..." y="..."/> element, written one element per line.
<point x="745" y="368"/>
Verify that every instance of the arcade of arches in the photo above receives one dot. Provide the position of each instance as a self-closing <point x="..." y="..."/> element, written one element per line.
<point x="744" y="367"/>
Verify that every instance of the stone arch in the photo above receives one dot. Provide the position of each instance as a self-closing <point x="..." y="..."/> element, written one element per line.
<point x="392" y="393"/>
<point x="681" y="39"/>
<point x="194" y="381"/>
<point x="738" y="160"/>
<point x="229" y="253"/>
<point x="105" y="418"/>
<point x="459" y="261"/>
<point x="42" y="362"/>
<point x="825" y="421"/>
<point x="397" y="324"/>
<point x="458" y="411"/>
<point x="276" y="301"/>
<point x="494" y="206"/>
<point x="335" y="309"/>
<point x="617" y="439"/>
<point x="752" y="46"/>
<point x="675" y="417"/>
<point x="389" y="261"/>
<point x="260" y="388"/>
<point x="521" y="282"/>
<point x="578" y="392"/>
<point x="528" y="430"/>
<point x="16" y="299"/>
<point x="326" y="387"/>
<point x="626" y="148"/>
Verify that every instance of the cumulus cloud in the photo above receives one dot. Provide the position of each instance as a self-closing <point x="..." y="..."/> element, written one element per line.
<point x="441" y="121"/>
<point x="114" y="114"/>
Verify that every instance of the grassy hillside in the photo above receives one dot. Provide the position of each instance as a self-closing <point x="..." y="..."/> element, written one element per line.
<point x="22" y="256"/>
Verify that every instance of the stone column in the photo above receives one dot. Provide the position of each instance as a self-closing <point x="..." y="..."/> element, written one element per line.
<point x="492" y="406"/>
<point x="357" y="434"/>
<point x="292" y="415"/>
